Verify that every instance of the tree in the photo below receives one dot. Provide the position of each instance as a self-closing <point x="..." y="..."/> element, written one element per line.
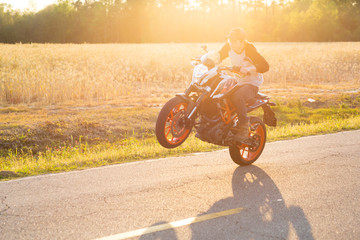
<point x="103" y="21"/>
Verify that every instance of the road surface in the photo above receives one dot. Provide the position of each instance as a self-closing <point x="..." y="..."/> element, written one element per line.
<point x="307" y="188"/>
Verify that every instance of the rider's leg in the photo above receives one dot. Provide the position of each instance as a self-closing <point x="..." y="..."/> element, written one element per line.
<point x="239" y="100"/>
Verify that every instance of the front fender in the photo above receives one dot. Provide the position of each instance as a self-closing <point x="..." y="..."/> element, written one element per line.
<point x="184" y="97"/>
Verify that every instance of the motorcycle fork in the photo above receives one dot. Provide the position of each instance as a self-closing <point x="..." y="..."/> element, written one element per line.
<point x="193" y="107"/>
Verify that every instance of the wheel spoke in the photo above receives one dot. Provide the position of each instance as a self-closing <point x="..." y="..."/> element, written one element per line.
<point x="166" y="134"/>
<point x="168" y="120"/>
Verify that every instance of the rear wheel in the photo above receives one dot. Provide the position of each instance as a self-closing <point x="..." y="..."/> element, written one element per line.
<point x="171" y="126"/>
<point x="247" y="154"/>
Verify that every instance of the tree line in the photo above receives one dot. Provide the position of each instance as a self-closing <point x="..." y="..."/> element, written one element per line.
<point x="138" y="21"/>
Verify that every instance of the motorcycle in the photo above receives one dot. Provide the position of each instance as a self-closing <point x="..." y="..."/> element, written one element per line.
<point x="206" y="106"/>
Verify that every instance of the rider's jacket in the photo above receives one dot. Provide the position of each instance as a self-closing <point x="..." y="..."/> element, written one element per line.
<point x="259" y="61"/>
<point x="248" y="58"/>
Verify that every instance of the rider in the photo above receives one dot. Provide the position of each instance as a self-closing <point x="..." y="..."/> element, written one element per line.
<point x="248" y="62"/>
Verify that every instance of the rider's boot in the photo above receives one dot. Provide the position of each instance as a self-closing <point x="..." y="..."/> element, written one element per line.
<point x="242" y="132"/>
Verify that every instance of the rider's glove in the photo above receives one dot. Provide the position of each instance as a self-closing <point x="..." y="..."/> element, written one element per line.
<point x="244" y="71"/>
<point x="235" y="69"/>
<point x="247" y="70"/>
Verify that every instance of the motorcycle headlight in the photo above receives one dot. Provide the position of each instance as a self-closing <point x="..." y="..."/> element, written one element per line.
<point x="199" y="70"/>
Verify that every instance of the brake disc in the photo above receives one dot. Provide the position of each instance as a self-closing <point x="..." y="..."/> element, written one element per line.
<point x="255" y="140"/>
<point x="178" y="124"/>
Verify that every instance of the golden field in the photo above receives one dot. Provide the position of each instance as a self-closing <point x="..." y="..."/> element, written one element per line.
<point x="132" y="74"/>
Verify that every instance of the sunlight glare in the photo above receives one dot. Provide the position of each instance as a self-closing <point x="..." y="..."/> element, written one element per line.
<point x="28" y="4"/>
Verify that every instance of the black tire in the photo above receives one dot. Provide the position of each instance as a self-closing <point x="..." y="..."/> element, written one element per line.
<point x="171" y="130"/>
<point x="243" y="155"/>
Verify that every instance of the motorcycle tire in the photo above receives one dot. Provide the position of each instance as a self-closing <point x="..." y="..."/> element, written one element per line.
<point x="244" y="154"/>
<point x="171" y="130"/>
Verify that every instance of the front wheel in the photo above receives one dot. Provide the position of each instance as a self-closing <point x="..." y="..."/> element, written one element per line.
<point x="171" y="126"/>
<point x="244" y="154"/>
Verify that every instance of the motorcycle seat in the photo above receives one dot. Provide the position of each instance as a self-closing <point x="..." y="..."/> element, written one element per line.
<point x="260" y="95"/>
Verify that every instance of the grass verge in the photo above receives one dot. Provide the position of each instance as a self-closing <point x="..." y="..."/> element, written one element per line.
<point x="133" y="149"/>
<point x="95" y="145"/>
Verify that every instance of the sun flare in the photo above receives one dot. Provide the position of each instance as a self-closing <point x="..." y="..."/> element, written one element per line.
<point x="34" y="5"/>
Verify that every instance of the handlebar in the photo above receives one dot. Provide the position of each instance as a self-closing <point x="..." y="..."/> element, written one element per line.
<point x="199" y="88"/>
<point x="222" y="68"/>
<point x="198" y="59"/>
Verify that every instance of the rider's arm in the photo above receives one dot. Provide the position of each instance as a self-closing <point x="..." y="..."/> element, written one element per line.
<point x="259" y="61"/>
<point x="224" y="52"/>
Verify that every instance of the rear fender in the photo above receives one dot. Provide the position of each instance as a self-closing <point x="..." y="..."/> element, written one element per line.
<point x="269" y="115"/>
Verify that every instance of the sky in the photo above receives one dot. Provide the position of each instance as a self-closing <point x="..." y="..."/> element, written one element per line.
<point x="37" y="5"/>
<point x="28" y="4"/>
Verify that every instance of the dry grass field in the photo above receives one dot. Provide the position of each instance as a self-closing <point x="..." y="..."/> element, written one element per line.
<point x="132" y="74"/>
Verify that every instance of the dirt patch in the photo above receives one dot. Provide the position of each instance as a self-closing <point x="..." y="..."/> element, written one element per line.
<point x="51" y="134"/>
<point x="7" y="174"/>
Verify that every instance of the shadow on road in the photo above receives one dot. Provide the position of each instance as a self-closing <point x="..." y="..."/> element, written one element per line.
<point x="265" y="214"/>
<point x="161" y="235"/>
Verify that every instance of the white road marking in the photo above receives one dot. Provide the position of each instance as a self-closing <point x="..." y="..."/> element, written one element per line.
<point x="171" y="225"/>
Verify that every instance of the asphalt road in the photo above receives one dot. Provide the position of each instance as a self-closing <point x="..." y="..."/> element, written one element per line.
<point x="306" y="188"/>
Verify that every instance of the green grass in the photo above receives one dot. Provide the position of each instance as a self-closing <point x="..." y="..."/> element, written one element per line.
<point x="291" y="131"/>
<point x="83" y="156"/>
<point x="71" y="140"/>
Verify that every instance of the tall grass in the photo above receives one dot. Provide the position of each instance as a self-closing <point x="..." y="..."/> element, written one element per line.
<point x="56" y="74"/>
